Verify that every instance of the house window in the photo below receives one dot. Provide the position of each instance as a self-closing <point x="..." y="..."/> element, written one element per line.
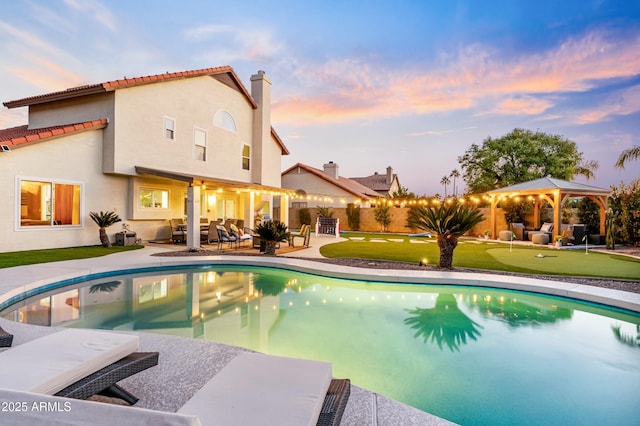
<point x="200" y="144"/>
<point x="169" y="128"/>
<point x="225" y="120"/>
<point x="48" y="203"/>
<point x="246" y="157"/>
<point x="153" y="198"/>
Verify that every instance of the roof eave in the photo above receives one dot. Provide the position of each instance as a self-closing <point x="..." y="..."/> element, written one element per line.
<point x="55" y="96"/>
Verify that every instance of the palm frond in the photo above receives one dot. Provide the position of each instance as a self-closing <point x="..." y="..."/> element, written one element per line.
<point x="104" y="219"/>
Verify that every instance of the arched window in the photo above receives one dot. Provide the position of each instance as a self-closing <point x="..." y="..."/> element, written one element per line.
<point x="225" y="120"/>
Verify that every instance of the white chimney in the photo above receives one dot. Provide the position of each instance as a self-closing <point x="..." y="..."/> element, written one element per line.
<point x="331" y="169"/>
<point x="389" y="175"/>
<point x="261" y="93"/>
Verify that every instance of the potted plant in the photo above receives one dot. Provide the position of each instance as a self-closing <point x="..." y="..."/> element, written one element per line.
<point x="487" y="234"/>
<point x="558" y="240"/>
<point x="271" y="233"/>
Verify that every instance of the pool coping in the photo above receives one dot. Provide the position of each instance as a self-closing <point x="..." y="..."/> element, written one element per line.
<point x="21" y="280"/>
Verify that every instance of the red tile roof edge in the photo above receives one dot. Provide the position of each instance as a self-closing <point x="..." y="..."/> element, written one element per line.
<point x="21" y="135"/>
<point x="127" y="82"/>
<point x="283" y="147"/>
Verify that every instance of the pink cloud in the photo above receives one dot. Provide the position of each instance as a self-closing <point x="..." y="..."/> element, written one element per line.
<point x="622" y="103"/>
<point x="475" y="75"/>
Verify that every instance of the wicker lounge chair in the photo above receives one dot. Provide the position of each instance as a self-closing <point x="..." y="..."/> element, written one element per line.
<point x="306" y="393"/>
<point x="75" y="363"/>
<point x="6" y="339"/>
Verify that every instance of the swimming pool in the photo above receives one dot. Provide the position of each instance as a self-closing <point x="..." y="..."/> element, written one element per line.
<point x="470" y="355"/>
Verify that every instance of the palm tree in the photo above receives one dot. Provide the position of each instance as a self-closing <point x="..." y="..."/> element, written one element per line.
<point x="449" y="221"/>
<point x="445" y="181"/>
<point x="104" y="220"/>
<point x="454" y="174"/>
<point x="632" y="153"/>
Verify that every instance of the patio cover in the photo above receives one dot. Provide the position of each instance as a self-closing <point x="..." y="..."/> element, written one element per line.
<point x="193" y="196"/>
<point x="555" y="192"/>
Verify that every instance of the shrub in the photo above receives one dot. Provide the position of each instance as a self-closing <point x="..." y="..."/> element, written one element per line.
<point x="589" y="214"/>
<point x="324" y="212"/>
<point x="353" y="216"/>
<point x="625" y="203"/>
<point x="305" y="216"/>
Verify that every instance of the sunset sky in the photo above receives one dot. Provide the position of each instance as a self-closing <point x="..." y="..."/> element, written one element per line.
<point x="366" y="84"/>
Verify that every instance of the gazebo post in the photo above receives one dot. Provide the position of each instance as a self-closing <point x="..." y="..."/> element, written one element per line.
<point x="492" y="220"/>
<point x="536" y="213"/>
<point x="557" y="214"/>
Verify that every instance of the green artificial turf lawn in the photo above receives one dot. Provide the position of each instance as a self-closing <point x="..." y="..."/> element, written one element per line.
<point x="30" y="257"/>
<point x="489" y="255"/>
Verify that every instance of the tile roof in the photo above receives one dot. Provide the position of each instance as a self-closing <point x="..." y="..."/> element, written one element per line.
<point x="22" y="135"/>
<point x="225" y="74"/>
<point x="346" y="184"/>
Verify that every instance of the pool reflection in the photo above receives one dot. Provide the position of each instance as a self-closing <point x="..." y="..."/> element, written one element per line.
<point x="444" y="323"/>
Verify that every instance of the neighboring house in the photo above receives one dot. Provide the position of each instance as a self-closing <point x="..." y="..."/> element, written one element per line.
<point x="192" y="144"/>
<point x="386" y="185"/>
<point x="325" y="188"/>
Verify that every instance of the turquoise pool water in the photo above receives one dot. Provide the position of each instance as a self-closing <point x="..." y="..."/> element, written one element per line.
<point x="470" y="355"/>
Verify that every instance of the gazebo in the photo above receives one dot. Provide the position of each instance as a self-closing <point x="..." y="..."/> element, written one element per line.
<point x="552" y="191"/>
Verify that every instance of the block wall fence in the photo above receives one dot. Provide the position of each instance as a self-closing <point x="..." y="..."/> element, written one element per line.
<point x="398" y="220"/>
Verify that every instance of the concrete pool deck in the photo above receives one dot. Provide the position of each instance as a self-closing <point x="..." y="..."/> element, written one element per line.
<point x="187" y="364"/>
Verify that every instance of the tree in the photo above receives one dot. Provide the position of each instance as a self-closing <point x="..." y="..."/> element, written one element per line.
<point x="403" y="192"/>
<point x="449" y="221"/>
<point x="382" y="215"/>
<point x="521" y="156"/>
<point x="104" y="220"/>
<point x="445" y="181"/>
<point x="632" y="153"/>
<point x="455" y="174"/>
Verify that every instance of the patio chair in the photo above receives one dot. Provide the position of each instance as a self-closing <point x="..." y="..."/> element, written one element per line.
<point x="177" y="231"/>
<point x="224" y="236"/>
<point x="240" y="236"/>
<point x="306" y="393"/>
<point x="304" y="233"/>
<point x="6" y="339"/>
<point x="210" y="236"/>
<point x="75" y="363"/>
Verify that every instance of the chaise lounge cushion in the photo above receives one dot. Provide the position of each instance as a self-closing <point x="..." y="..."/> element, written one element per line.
<point x="258" y="389"/>
<point x="51" y="363"/>
<point x="30" y="409"/>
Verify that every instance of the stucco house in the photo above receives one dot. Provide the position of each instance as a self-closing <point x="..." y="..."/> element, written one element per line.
<point x="194" y="144"/>
<point x="384" y="184"/>
<point x="325" y="188"/>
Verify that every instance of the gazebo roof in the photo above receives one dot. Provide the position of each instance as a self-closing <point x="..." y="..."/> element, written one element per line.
<point x="547" y="184"/>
